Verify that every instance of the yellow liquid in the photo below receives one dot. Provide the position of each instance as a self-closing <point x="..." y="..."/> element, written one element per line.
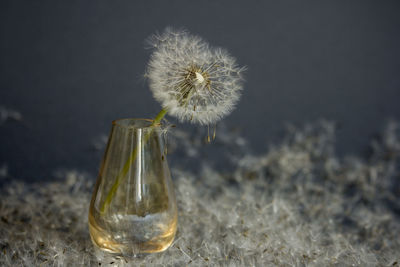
<point x="140" y="234"/>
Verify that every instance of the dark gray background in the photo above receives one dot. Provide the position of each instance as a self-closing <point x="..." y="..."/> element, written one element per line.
<point x="71" y="67"/>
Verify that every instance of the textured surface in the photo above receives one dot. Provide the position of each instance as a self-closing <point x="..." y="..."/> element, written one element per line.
<point x="297" y="204"/>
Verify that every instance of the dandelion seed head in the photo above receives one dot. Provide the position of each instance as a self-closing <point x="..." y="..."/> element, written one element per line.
<point x="191" y="80"/>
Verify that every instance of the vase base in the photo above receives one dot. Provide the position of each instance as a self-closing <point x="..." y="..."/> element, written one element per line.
<point x="130" y="246"/>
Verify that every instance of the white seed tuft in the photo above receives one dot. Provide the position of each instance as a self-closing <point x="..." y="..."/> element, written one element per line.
<point x="191" y="80"/>
<point x="199" y="78"/>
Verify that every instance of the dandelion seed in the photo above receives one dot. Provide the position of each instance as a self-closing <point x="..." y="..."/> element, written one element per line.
<point x="193" y="81"/>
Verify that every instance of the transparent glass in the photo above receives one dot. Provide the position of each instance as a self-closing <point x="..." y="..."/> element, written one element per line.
<point x="133" y="208"/>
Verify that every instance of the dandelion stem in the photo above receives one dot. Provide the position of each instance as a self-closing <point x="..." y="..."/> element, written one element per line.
<point x="129" y="163"/>
<point x="159" y="117"/>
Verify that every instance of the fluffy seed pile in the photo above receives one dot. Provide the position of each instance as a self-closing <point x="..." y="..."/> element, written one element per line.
<point x="296" y="205"/>
<point x="191" y="80"/>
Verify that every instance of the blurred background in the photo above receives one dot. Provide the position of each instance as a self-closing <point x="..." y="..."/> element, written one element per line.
<point x="68" y="68"/>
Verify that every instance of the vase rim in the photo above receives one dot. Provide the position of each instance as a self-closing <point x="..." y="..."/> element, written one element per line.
<point x="134" y="123"/>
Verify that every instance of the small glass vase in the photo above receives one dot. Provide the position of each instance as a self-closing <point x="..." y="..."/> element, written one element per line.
<point x="133" y="208"/>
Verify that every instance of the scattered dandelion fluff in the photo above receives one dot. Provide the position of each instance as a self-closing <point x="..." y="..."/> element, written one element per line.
<point x="193" y="81"/>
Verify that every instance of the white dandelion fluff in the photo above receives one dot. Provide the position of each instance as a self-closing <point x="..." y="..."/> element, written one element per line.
<point x="191" y="80"/>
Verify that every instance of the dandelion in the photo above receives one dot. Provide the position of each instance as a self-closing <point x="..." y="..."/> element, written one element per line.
<point x="191" y="80"/>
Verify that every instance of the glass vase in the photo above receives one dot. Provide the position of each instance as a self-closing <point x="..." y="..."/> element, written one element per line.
<point x="133" y="208"/>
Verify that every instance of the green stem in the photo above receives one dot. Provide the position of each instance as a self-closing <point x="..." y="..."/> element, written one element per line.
<point x="159" y="117"/>
<point x="128" y="164"/>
